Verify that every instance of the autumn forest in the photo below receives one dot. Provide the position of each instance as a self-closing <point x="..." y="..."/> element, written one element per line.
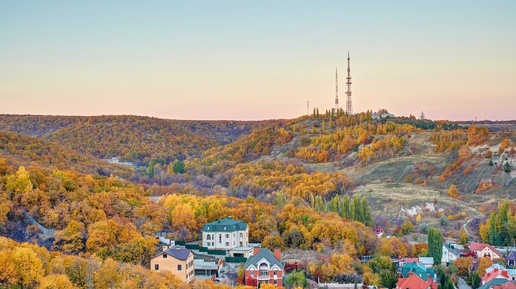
<point x="82" y="198"/>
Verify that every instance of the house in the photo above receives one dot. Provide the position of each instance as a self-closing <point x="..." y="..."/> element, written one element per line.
<point x="510" y="272"/>
<point x="496" y="274"/>
<point x="428" y="262"/>
<point x="379" y="232"/>
<point x="412" y="281"/>
<point x="225" y="234"/>
<point x="511" y="259"/>
<point x="207" y="270"/>
<point x="178" y="260"/>
<point x="450" y="253"/>
<point x="418" y="269"/>
<point x="264" y="267"/>
<point x="485" y="250"/>
<point x="381" y="114"/>
<point x="498" y="284"/>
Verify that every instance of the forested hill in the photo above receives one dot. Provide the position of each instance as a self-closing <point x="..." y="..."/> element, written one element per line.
<point x="132" y="138"/>
<point x="20" y="150"/>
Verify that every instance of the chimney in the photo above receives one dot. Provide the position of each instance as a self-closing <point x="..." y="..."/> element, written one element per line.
<point x="256" y="250"/>
<point x="277" y="253"/>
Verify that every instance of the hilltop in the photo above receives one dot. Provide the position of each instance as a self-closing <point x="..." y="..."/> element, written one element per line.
<point x="404" y="167"/>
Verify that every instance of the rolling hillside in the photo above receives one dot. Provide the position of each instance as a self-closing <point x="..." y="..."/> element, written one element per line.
<point x="401" y="166"/>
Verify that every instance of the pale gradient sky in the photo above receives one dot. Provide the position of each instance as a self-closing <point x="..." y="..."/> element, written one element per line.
<point x="251" y="60"/>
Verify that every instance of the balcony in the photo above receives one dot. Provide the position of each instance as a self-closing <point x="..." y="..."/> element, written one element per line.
<point x="263" y="278"/>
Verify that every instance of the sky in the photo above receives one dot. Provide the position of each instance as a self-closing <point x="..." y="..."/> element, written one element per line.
<point x="254" y="60"/>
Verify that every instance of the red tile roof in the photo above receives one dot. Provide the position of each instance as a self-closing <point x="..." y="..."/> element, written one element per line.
<point x="496" y="273"/>
<point x="508" y="285"/>
<point x="414" y="282"/>
<point x="480" y="246"/>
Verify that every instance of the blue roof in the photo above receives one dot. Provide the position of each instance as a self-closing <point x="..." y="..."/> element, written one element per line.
<point x="178" y="252"/>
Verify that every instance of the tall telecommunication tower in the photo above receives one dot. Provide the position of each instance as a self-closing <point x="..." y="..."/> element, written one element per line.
<point x="349" y="106"/>
<point x="336" y="91"/>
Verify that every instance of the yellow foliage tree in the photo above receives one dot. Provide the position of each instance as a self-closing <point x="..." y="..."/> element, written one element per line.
<point x="453" y="191"/>
<point x="58" y="281"/>
<point x="484" y="263"/>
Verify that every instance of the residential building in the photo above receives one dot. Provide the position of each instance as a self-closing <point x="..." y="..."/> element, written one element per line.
<point x="379" y="232"/>
<point x="264" y="267"/>
<point x="485" y="250"/>
<point x="413" y="281"/>
<point x="428" y="262"/>
<point x="450" y="253"/>
<point x="511" y="259"/>
<point x="178" y="260"/>
<point x="499" y="284"/>
<point x="225" y="234"/>
<point x="496" y="274"/>
<point x="510" y="272"/>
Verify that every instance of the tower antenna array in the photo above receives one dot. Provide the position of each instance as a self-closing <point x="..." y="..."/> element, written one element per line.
<point x="336" y="91"/>
<point x="349" y="106"/>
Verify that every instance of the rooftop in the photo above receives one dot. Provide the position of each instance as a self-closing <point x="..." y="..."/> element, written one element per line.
<point x="178" y="252"/>
<point x="225" y="225"/>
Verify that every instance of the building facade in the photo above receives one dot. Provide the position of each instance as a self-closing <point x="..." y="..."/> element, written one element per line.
<point x="178" y="260"/>
<point x="225" y="234"/>
<point x="264" y="267"/>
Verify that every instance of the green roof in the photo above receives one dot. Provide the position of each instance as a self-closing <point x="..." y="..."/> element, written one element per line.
<point x="225" y="225"/>
<point x="494" y="282"/>
<point x="268" y="255"/>
<point x="418" y="269"/>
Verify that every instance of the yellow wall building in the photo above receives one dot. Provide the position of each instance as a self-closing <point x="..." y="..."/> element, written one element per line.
<point x="178" y="260"/>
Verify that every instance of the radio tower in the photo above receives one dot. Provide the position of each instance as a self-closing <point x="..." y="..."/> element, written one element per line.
<point x="349" y="106"/>
<point x="336" y="91"/>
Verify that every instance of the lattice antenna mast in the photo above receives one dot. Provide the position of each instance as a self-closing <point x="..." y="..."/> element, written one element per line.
<point x="336" y="91"/>
<point x="349" y="106"/>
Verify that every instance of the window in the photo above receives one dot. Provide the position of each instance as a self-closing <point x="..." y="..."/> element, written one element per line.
<point x="227" y="236"/>
<point x="275" y="272"/>
<point x="241" y="235"/>
<point x="208" y="237"/>
<point x="220" y="238"/>
<point x="275" y="282"/>
<point x="227" y="244"/>
<point x="179" y="267"/>
<point x="263" y="269"/>
<point x="156" y="267"/>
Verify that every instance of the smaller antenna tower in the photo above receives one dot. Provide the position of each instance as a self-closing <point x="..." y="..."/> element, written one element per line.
<point x="422" y="117"/>
<point x="336" y="91"/>
<point x="308" y="108"/>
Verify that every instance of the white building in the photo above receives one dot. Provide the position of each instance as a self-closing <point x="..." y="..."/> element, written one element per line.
<point x="225" y="234"/>
<point x="451" y="252"/>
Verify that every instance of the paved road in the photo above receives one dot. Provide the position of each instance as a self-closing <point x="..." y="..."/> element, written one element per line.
<point x="462" y="284"/>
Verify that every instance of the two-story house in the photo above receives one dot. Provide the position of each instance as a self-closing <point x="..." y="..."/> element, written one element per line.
<point x="225" y="234"/>
<point x="485" y="250"/>
<point x="178" y="260"/>
<point x="264" y="267"/>
<point x="451" y="252"/>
